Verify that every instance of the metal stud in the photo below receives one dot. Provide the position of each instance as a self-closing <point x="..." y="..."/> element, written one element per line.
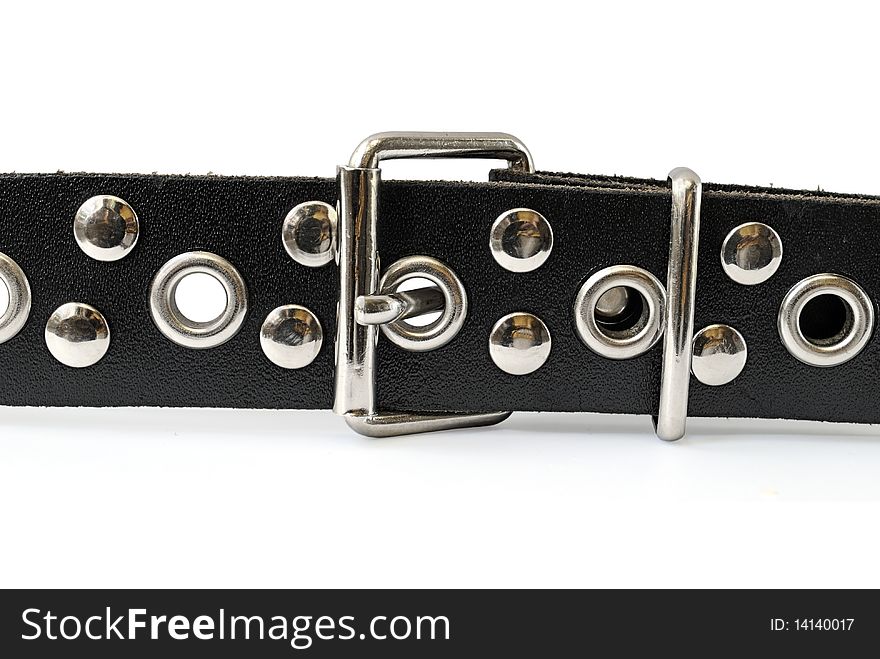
<point x="106" y="228"/>
<point x="521" y="240"/>
<point x="751" y="253"/>
<point x="519" y="343"/>
<point x="18" y="307"/>
<point x="309" y="234"/>
<point x="77" y="335"/>
<point x="719" y="355"/>
<point x="291" y="336"/>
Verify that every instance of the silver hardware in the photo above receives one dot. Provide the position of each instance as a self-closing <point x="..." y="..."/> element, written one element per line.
<point x="644" y="331"/>
<point x="393" y="424"/>
<point x="355" y="394"/>
<point x="837" y="343"/>
<point x="521" y="240"/>
<point x="681" y="286"/>
<point x="309" y="233"/>
<point x="613" y="302"/>
<point x="519" y="343"/>
<point x="174" y="324"/>
<point x="18" y="308"/>
<point x="719" y="355"/>
<point x="751" y="253"/>
<point x="291" y="336"/>
<point x="105" y="228"/>
<point x="386" y="308"/>
<point x="436" y="334"/>
<point x="77" y="335"/>
<point x="405" y="144"/>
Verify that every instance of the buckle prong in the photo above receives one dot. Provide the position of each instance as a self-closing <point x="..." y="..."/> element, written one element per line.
<point x="392" y="307"/>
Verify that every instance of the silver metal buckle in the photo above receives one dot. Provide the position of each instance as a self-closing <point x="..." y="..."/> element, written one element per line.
<point x="359" y="185"/>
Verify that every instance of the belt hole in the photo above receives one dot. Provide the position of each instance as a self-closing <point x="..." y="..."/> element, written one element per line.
<point x="825" y="320"/>
<point x="621" y="312"/>
<point x="200" y="297"/>
<point x="425" y="319"/>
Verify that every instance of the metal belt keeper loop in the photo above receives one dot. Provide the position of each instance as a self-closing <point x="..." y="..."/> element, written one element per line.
<point x="681" y="286"/>
<point x="359" y="185"/>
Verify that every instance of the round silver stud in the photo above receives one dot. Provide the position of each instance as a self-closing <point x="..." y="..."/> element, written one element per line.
<point x="291" y="336"/>
<point x="719" y="355"/>
<point x="825" y="320"/>
<point x="439" y="332"/>
<point x="105" y="227"/>
<point x="639" y="311"/>
<point x="519" y="343"/>
<point x="751" y="253"/>
<point x="77" y="335"/>
<point x="18" y="307"/>
<point x="309" y="233"/>
<point x="174" y="324"/>
<point x="521" y="240"/>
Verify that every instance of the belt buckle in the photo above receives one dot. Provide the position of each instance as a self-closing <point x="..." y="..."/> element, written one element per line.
<point x="359" y="186"/>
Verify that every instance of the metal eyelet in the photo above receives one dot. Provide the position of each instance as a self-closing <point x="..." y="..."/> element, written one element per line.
<point x="174" y="324"/>
<point x="441" y="331"/>
<point x="838" y="344"/>
<point x="639" y="335"/>
<point x="19" y="307"/>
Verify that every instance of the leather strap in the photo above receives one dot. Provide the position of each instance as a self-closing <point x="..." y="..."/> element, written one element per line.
<point x="597" y="222"/>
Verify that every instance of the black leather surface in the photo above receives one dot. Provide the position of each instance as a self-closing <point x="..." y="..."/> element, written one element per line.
<point x="597" y="221"/>
<point x="238" y="218"/>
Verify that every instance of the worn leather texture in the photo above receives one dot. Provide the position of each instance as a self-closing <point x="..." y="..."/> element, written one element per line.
<point x="597" y="222"/>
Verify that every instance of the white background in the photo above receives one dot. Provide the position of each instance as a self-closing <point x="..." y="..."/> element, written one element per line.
<point x="745" y="93"/>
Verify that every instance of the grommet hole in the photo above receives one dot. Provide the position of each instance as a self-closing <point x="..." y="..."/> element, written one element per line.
<point x="825" y="320"/>
<point x="4" y="297"/>
<point x="200" y="297"/>
<point x="621" y="312"/>
<point x="424" y="319"/>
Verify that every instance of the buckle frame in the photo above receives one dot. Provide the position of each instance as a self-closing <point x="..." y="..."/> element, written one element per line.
<point x="355" y="396"/>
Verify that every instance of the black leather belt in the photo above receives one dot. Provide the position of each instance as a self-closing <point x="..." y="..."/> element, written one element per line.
<point x="548" y="294"/>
